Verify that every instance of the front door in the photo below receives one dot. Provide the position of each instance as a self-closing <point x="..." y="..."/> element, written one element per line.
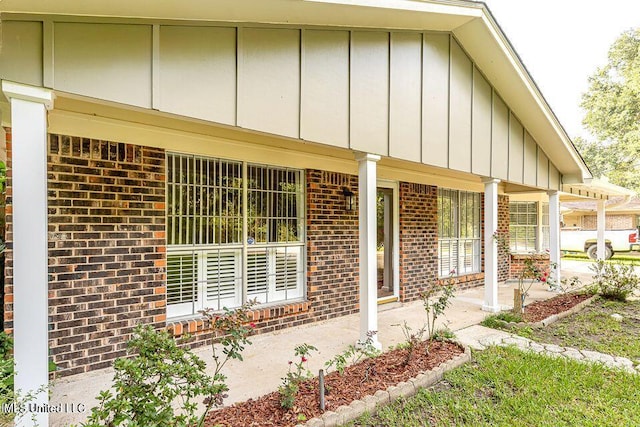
<point x="386" y="243"/>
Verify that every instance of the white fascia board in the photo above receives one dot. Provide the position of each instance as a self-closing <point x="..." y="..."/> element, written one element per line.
<point x="520" y="91"/>
<point x="445" y="8"/>
<point x="427" y="15"/>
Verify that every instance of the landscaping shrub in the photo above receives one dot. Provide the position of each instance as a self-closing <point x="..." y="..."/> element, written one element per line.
<point x="147" y="385"/>
<point x="614" y="281"/>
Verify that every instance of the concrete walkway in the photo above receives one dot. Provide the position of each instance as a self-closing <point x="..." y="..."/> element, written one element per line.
<point x="265" y="361"/>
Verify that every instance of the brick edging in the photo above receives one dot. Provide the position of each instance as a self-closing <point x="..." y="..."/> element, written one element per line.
<point x="371" y="404"/>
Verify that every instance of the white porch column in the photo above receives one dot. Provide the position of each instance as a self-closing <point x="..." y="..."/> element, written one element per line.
<point x="490" y="246"/>
<point x="554" y="235"/>
<point x="601" y="225"/>
<point x="30" y="280"/>
<point x="368" y="242"/>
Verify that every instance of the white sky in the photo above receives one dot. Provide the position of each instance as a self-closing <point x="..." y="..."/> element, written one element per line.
<point x="562" y="42"/>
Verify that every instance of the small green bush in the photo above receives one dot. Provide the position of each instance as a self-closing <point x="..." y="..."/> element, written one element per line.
<point x="148" y="385"/>
<point x="615" y="281"/>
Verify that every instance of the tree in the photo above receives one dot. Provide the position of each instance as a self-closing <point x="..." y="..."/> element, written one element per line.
<point x="612" y="106"/>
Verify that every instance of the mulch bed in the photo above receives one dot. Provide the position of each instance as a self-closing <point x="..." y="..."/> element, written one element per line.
<point x="540" y="310"/>
<point x="357" y="381"/>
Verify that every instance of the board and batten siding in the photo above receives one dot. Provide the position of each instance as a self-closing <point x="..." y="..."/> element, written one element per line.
<point x="407" y="95"/>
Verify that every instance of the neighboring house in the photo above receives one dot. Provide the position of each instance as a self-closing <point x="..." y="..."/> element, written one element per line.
<point x="622" y="214"/>
<point x="167" y="157"/>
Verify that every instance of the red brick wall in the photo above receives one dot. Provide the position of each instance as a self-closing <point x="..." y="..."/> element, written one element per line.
<point x="7" y="303"/>
<point x="612" y="222"/>
<point x="542" y="261"/>
<point x="504" y="260"/>
<point x="418" y="238"/>
<point x="106" y="248"/>
<point x="332" y="245"/>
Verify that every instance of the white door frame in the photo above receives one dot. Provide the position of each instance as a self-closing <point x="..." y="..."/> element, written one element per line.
<point x="393" y="185"/>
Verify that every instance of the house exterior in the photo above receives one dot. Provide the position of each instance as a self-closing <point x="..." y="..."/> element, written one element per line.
<point x="167" y="158"/>
<point x="622" y="214"/>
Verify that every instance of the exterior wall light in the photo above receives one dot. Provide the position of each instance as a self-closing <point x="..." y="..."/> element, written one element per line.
<point x="349" y="199"/>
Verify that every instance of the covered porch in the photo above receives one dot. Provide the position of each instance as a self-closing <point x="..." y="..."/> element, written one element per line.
<point x="331" y="337"/>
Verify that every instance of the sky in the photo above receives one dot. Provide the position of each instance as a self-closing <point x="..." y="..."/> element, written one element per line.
<point x="562" y="43"/>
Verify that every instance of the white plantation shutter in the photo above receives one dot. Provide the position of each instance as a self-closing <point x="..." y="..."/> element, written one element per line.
<point x="288" y="271"/>
<point x="224" y="279"/>
<point x="257" y="275"/>
<point x="182" y="277"/>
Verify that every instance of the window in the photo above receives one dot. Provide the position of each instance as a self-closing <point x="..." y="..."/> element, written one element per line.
<point x="546" y="239"/>
<point x="459" y="249"/>
<point x="235" y="231"/>
<point x="523" y="226"/>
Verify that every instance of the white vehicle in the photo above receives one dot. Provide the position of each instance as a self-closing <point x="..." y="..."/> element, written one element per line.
<point x="576" y="240"/>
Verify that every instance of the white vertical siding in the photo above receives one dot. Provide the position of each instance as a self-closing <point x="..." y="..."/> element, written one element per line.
<point x="408" y="95"/>
<point x="85" y="56"/>
<point x="21" y="56"/>
<point x="481" y="126"/>
<point x="269" y="81"/>
<point x="530" y="160"/>
<point x="369" y="97"/>
<point x="543" y="169"/>
<point x="500" y="139"/>
<point x="435" y="100"/>
<point x="198" y="72"/>
<point x="325" y="87"/>
<point x="516" y="149"/>
<point x="405" y="103"/>
<point x="460" y="109"/>
<point x="554" y="177"/>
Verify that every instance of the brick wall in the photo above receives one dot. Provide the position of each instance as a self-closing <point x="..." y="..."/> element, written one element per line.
<point x="612" y="222"/>
<point x="418" y="238"/>
<point x="504" y="260"/>
<point x="106" y="248"/>
<point x="7" y="301"/>
<point x="518" y="263"/>
<point x="332" y="245"/>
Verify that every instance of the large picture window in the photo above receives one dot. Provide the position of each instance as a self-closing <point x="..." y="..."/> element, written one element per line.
<point x="523" y="226"/>
<point x="459" y="246"/>
<point x="235" y="231"/>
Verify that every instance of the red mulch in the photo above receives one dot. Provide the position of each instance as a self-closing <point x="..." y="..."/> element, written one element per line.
<point x="540" y="310"/>
<point x="357" y="381"/>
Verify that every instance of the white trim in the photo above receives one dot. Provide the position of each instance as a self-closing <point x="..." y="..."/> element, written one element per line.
<point x="367" y="246"/>
<point x="30" y="245"/>
<point x="490" y="246"/>
<point x="28" y="93"/>
<point x="554" y="236"/>
<point x="393" y="185"/>
<point x="601" y="225"/>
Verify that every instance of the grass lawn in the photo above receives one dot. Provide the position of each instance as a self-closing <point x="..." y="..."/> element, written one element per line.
<point x="593" y="328"/>
<point x="506" y="387"/>
<point x="618" y="257"/>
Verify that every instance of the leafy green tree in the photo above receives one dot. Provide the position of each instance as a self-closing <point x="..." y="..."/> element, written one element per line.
<point x="612" y="106"/>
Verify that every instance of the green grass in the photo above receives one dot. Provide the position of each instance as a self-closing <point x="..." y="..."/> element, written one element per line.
<point x="622" y="257"/>
<point x="506" y="387"/>
<point x="500" y="320"/>
<point x="594" y="329"/>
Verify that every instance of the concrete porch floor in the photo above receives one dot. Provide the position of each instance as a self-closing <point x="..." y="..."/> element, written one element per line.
<point x="265" y="361"/>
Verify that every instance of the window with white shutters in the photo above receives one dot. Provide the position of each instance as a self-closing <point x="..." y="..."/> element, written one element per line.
<point x="459" y="247"/>
<point x="235" y="231"/>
